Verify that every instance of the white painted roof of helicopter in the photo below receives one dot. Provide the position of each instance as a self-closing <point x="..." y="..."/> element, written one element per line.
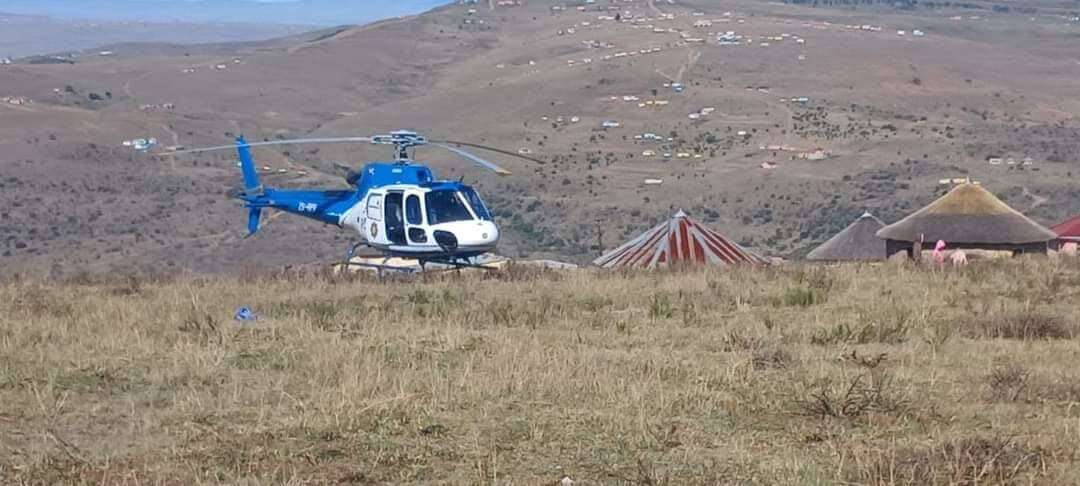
<point x="402" y="187"/>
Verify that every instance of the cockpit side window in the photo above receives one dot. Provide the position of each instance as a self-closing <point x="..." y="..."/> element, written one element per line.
<point x="374" y="208"/>
<point x="476" y="203"/>
<point x="445" y="206"/>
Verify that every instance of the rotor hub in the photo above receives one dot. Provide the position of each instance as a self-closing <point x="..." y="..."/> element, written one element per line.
<point x="402" y="140"/>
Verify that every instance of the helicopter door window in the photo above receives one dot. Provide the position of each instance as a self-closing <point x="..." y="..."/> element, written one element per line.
<point x="413" y="214"/>
<point x="395" y="223"/>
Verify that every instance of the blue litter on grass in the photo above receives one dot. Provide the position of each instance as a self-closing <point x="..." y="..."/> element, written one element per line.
<point x="245" y="314"/>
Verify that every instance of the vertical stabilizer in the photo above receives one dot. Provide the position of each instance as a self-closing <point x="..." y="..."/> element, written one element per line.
<point x="252" y="187"/>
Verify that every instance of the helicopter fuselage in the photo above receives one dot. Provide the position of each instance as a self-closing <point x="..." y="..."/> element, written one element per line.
<point x="398" y="209"/>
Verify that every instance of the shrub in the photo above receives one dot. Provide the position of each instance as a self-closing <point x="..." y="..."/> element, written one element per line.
<point x="1007" y="383"/>
<point x="1025" y="325"/>
<point x="775" y="358"/>
<point x="855" y="397"/>
<point x="894" y="332"/>
<point x="802" y="297"/>
<point x="966" y="461"/>
<point x="660" y="307"/>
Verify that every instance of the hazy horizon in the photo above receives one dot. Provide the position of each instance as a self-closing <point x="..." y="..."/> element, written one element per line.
<point x="293" y="12"/>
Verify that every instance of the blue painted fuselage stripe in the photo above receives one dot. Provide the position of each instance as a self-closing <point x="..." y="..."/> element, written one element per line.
<point x="324" y="206"/>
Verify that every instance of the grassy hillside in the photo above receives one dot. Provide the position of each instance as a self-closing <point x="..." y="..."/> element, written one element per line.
<point x="791" y="375"/>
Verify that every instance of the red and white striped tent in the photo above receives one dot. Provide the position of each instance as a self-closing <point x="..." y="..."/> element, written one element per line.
<point x="679" y="240"/>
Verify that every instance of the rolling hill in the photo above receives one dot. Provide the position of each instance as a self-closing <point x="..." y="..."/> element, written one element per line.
<point x="892" y="114"/>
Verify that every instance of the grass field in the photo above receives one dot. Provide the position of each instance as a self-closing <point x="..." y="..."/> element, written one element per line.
<point x="793" y="375"/>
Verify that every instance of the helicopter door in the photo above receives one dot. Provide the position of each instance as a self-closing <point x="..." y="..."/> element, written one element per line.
<point x="395" y="221"/>
<point x="414" y="218"/>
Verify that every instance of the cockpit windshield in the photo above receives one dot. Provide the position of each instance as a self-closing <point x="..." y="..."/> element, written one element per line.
<point x="444" y="206"/>
<point x="477" y="205"/>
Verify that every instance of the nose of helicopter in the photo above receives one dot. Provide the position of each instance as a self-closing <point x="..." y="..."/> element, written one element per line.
<point x="475" y="235"/>
<point x="467" y="236"/>
<point x="480" y="234"/>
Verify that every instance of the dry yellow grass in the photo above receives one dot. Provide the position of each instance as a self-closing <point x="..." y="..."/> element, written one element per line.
<point x="800" y="375"/>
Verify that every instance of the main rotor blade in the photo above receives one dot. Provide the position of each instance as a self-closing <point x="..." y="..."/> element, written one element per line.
<point x="476" y="160"/>
<point x="277" y="142"/>
<point x="493" y="149"/>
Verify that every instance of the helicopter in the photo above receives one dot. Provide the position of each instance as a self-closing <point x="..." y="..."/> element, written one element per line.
<point x="397" y="208"/>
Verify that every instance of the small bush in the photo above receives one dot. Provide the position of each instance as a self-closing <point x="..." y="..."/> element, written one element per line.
<point x="1007" y="383"/>
<point x="775" y="358"/>
<point x="803" y="297"/>
<point x="660" y="307"/>
<point x="965" y="461"/>
<point x="886" y="333"/>
<point x="852" y="398"/>
<point x="1027" y="325"/>
<point x="737" y="341"/>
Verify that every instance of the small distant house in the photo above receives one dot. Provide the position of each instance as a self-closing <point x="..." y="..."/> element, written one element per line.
<point x="816" y="154"/>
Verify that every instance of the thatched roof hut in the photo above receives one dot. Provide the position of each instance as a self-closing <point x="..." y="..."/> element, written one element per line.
<point x="857" y="242"/>
<point x="968" y="216"/>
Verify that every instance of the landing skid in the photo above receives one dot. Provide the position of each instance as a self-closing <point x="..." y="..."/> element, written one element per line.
<point x="453" y="262"/>
<point x="381" y="267"/>
<point x="457" y="264"/>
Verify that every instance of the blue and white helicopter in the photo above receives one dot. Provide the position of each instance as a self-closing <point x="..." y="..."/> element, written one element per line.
<point x="398" y="208"/>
